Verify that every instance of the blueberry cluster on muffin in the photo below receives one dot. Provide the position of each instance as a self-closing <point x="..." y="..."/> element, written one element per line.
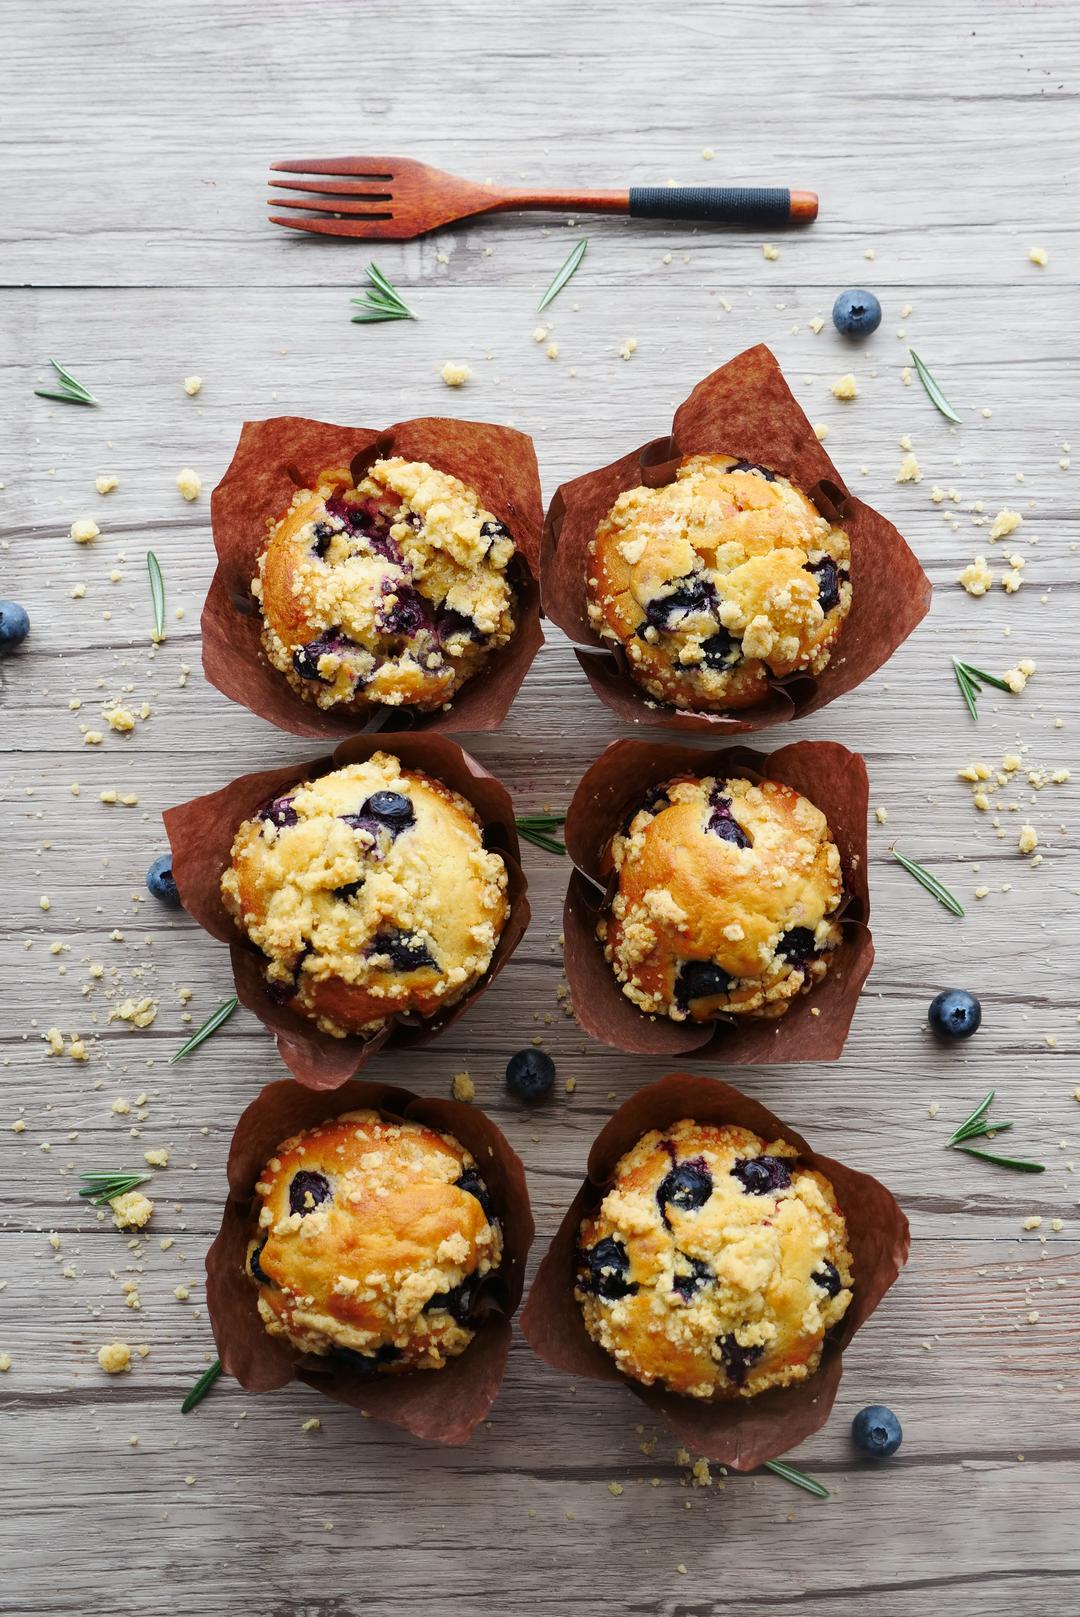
<point x="372" y="1240"/>
<point x="725" y="899"/>
<point x="718" y="582"/>
<point x="392" y="590"/>
<point x="370" y="893"/>
<point x="715" y="1264"/>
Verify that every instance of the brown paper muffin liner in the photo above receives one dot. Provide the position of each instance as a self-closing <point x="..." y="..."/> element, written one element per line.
<point x="201" y="834"/>
<point x="816" y="1024"/>
<point x="441" y="1405"/>
<point x="273" y="459"/>
<point x="742" y="1433"/>
<point x="744" y="409"/>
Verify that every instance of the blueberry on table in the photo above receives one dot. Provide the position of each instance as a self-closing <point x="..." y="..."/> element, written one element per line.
<point x="530" y="1074"/>
<point x="856" y="313"/>
<point x="14" y="626"/>
<point x="161" y="882"/>
<point x="955" y="1013"/>
<point x="877" y="1431"/>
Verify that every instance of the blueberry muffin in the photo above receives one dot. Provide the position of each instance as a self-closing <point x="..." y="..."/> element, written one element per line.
<point x="718" y="582"/>
<point x="725" y="899"/>
<point x="393" y="590"/>
<point x="373" y="1237"/>
<point x="716" y="1263"/>
<point x="370" y="893"/>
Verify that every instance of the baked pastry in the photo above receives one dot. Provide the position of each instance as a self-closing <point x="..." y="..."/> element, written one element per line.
<point x="725" y="900"/>
<point x="393" y="590"/>
<point x="373" y="1237"/>
<point x="371" y="894"/>
<point x="718" y="582"/>
<point x="715" y="1264"/>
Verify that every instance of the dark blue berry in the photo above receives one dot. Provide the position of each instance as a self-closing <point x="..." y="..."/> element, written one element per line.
<point x="457" y="1302"/>
<point x="305" y="1184"/>
<point x="280" y="812"/>
<point x="367" y="1364"/>
<point x="449" y="623"/>
<point x="723" y="824"/>
<point x="161" y="882"/>
<point x="393" y="808"/>
<point x="752" y="466"/>
<point x="493" y="530"/>
<point x="406" y="953"/>
<point x="828" y="1278"/>
<point x="797" y="945"/>
<point x="257" y="1271"/>
<point x="955" y="1013"/>
<point x="856" y="313"/>
<point x="721" y="650"/>
<point x="305" y="659"/>
<point x="827" y="574"/>
<point x="350" y="890"/>
<point x="14" y="626"/>
<point x="530" y="1074"/>
<point x="700" y="979"/>
<point x="877" y="1431"/>
<point x="687" y="1187"/>
<point x="738" y="1360"/>
<point x="473" y="1185"/>
<point x="696" y="1275"/>
<point x="408" y="615"/>
<point x="760" y="1175"/>
<point x="667" y="612"/>
<point x="607" y="1271"/>
<point x="323" y="535"/>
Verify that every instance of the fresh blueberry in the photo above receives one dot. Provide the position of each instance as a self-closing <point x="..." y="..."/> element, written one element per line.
<point x="797" y="945"/>
<point x="305" y="659"/>
<point x="449" y="623"/>
<point x="280" y="812"/>
<point x="955" y="1013"/>
<point x="409" y="614"/>
<point x="760" y="1175"/>
<point x="738" y="1360"/>
<point x="877" y="1431"/>
<point x="492" y="531"/>
<point x="367" y="1364"/>
<point x="279" y="993"/>
<point x="473" y="1185"/>
<point x="305" y="1184"/>
<point x="406" y="953"/>
<point x="828" y="1278"/>
<point x="350" y="890"/>
<point x="721" y="650"/>
<point x="160" y="880"/>
<point x="14" y="626"/>
<point x="688" y="1283"/>
<point x="323" y="535"/>
<point x="530" y="1074"/>
<point x="723" y="824"/>
<point x="393" y="808"/>
<point x="700" y="979"/>
<point x="687" y="1187"/>
<point x="607" y="1270"/>
<point x="457" y="1302"/>
<point x="752" y="466"/>
<point x="827" y="574"/>
<point x="257" y="1271"/>
<point x="690" y="595"/>
<point x="856" y="313"/>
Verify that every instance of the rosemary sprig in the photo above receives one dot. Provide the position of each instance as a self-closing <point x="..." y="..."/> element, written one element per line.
<point x="971" y="681"/>
<point x="976" y="1117"/>
<point x="931" y="883"/>
<point x="933" y="392"/>
<point x="201" y="1387"/>
<point x="211" y="1025"/>
<point x="1003" y="1162"/>
<point x="70" y="390"/>
<point x="383" y="303"/>
<point x="157" y="594"/>
<point x="791" y="1473"/>
<point x="537" y="829"/>
<point x="569" y="267"/>
<point x="978" y="1125"/>
<point x="102" y="1188"/>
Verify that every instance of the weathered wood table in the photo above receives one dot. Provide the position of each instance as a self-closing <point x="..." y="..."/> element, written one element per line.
<point x="135" y="141"/>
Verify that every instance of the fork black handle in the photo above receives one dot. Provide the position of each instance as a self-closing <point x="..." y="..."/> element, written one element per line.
<point x="765" y="205"/>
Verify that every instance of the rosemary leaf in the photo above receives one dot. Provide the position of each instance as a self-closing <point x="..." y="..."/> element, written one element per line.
<point x="386" y="293"/>
<point x="1003" y="1162"/>
<point x="791" y="1473"/>
<point x="986" y="1126"/>
<point x="968" y="690"/>
<point x="976" y="1116"/>
<point x="71" y="390"/>
<point x="102" y="1188"/>
<point x="931" y="883"/>
<point x="68" y="398"/>
<point x="539" y="839"/>
<point x="201" y="1387"/>
<point x="374" y="315"/>
<point x="979" y="677"/>
<point x="211" y="1025"/>
<point x="569" y="267"/>
<point x="157" y="594"/>
<point x="933" y="392"/>
<point x="541" y="822"/>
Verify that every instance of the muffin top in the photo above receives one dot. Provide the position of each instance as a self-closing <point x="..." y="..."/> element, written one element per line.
<point x="373" y="1236"/>
<point x="725" y="898"/>
<point x="393" y="590"/>
<point x="370" y="892"/>
<point x="717" y="582"/>
<point x="715" y="1264"/>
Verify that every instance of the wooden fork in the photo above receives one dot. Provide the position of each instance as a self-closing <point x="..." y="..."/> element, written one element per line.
<point x="396" y="197"/>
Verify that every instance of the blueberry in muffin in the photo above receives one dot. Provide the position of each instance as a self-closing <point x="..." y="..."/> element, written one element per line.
<point x="715" y="1264"/>
<point x="370" y="893"/>
<point x="394" y="589"/>
<point x="373" y="1238"/>
<point x="725" y="899"/>
<point x="718" y="582"/>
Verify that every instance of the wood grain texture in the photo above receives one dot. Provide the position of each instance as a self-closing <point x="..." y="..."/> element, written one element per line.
<point x="135" y="250"/>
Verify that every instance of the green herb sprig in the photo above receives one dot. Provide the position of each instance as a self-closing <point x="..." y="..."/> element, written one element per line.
<point x="933" y="392"/>
<point x="69" y="390"/>
<point x="157" y="594"/>
<point x="931" y="883"/>
<point x="201" y="1387"/>
<point x="791" y="1473"/>
<point x="539" y="828"/>
<point x="102" y="1188"/>
<point x="980" y="1125"/>
<point x="569" y="268"/>
<point x="381" y="301"/>
<point x="211" y="1025"/>
<point x="971" y="681"/>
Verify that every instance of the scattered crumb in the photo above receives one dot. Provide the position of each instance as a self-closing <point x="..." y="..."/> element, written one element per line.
<point x="1004" y="523"/>
<point x="881" y="815"/>
<point x="615" y="1488"/>
<point x="1016" y="678"/>
<point x="313" y="1424"/>
<point x="552" y="350"/>
<point x="192" y="384"/>
<point x="106" y="483"/>
<point x="845" y="387"/>
<point x="909" y="470"/>
<point x="1032" y="1223"/>
<point x="462" y="1087"/>
<point x="156" y="1159"/>
<point x="770" y="252"/>
<point x="821" y="431"/>
<point x="114" y="1357"/>
<point x="816" y="325"/>
<point x="1038" y="255"/>
<point x="5" y="1361"/>
<point x="976" y="577"/>
<point x="629" y="347"/>
<point x="132" y="1211"/>
<point x="455" y="375"/>
<point x="1028" y="840"/>
<point x="83" y="530"/>
<point x="189" y="483"/>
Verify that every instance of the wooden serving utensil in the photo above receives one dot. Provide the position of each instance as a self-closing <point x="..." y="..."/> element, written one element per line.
<point x="396" y="198"/>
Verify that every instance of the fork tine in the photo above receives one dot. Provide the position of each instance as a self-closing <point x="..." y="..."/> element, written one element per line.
<point x="363" y="168"/>
<point x="331" y="205"/>
<point x="358" y="188"/>
<point x="371" y="225"/>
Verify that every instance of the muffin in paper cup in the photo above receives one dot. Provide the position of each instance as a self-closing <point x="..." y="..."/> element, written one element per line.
<point x="747" y="411"/>
<point x="442" y="1405"/>
<point x="816" y="1023"/>
<point x="739" y="1432"/>
<point x="201" y="834"/>
<point x="276" y="458"/>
